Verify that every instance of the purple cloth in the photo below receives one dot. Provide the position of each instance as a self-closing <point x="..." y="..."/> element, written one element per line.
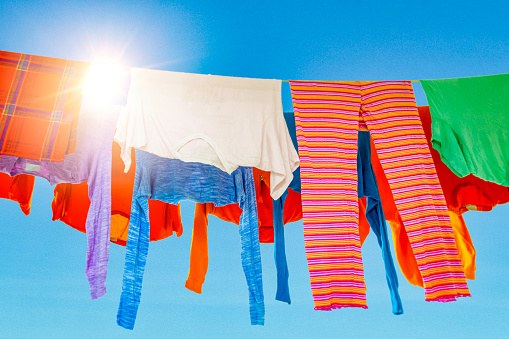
<point x="90" y="162"/>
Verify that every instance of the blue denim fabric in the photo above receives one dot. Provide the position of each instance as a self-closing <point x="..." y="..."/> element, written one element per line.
<point x="171" y="181"/>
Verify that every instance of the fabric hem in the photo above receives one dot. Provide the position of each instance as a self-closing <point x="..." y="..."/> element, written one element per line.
<point x="330" y="308"/>
<point x="194" y="285"/>
<point x="446" y="299"/>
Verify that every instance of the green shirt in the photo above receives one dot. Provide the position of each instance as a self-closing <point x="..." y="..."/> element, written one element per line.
<point x="470" y="125"/>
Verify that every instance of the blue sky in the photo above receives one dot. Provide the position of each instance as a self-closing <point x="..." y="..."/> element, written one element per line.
<point x="43" y="289"/>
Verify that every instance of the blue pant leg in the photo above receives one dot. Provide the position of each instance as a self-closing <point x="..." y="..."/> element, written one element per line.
<point x="376" y="219"/>
<point x="283" y="290"/>
<point x="250" y="248"/>
<point x="135" y="260"/>
<point x="367" y="186"/>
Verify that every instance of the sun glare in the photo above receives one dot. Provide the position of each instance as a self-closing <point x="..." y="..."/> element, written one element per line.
<point x="104" y="81"/>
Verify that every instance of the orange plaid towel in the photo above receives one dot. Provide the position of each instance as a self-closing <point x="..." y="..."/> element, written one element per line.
<point x="40" y="101"/>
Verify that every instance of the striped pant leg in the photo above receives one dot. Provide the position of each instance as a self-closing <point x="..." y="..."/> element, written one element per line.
<point x="390" y="113"/>
<point x="327" y="121"/>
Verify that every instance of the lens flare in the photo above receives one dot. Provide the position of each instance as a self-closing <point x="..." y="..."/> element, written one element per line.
<point x="105" y="81"/>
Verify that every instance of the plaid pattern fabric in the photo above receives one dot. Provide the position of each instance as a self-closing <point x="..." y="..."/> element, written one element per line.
<point x="40" y="101"/>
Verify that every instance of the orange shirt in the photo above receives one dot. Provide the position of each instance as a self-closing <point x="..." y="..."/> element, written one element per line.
<point x="71" y="203"/>
<point x="18" y="188"/>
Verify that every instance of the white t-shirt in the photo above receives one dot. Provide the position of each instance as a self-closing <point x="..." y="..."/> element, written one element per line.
<point x="221" y="121"/>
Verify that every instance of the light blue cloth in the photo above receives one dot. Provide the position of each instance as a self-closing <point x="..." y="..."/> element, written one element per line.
<point x="367" y="187"/>
<point x="171" y="181"/>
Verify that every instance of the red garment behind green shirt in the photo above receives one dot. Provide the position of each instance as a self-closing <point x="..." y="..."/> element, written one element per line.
<point x="461" y="194"/>
<point x="467" y="193"/>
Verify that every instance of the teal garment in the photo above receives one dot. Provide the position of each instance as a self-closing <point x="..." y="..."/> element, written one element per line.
<point x="283" y="289"/>
<point x="470" y="120"/>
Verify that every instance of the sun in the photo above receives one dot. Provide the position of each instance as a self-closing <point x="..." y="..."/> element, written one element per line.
<point x="106" y="81"/>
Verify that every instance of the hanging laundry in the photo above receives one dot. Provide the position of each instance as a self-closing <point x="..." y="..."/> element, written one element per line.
<point x="221" y="121"/>
<point x="283" y="288"/>
<point x="367" y="187"/>
<point x="19" y="189"/>
<point x="292" y="209"/>
<point x="403" y="249"/>
<point x="91" y="161"/>
<point x="461" y="194"/>
<point x="373" y="211"/>
<point x="285" y="203"/>
<point x="290" y="124"/>
<point x="171" y="181"/>
<point x="291" y="205"/>
<point x="406" y="258"/>
<point x="71" y="204"/>
<point x="468" y="192"/>
<point x="327" y="117"/>
<point x="272" y="214"/>
<point x="469" y="128"/>
<point x="40" y="101"/>
<point x="231" y="213"/>
<point x="263" y="206"/>
<point x="282" y="208"/>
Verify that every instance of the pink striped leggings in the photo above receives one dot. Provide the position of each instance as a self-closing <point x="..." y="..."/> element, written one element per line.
<point x="327" y="117"/>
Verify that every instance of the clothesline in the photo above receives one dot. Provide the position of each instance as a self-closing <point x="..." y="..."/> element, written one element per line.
<point x="336" y="81"/>
<point x="477" y="76"/>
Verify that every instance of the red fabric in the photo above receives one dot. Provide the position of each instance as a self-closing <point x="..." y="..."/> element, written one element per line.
<point x="292" y="210"/>
<point x="264" y="205"/>
<point x="293" y="207"/>
<point x="18" y="188"/>
<point x="231" y="213"/>
<point x="71" y="204"/>
<point x="460" y="194"/>
<point x="40" y="101"/>
<point x="199" y="258"/>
